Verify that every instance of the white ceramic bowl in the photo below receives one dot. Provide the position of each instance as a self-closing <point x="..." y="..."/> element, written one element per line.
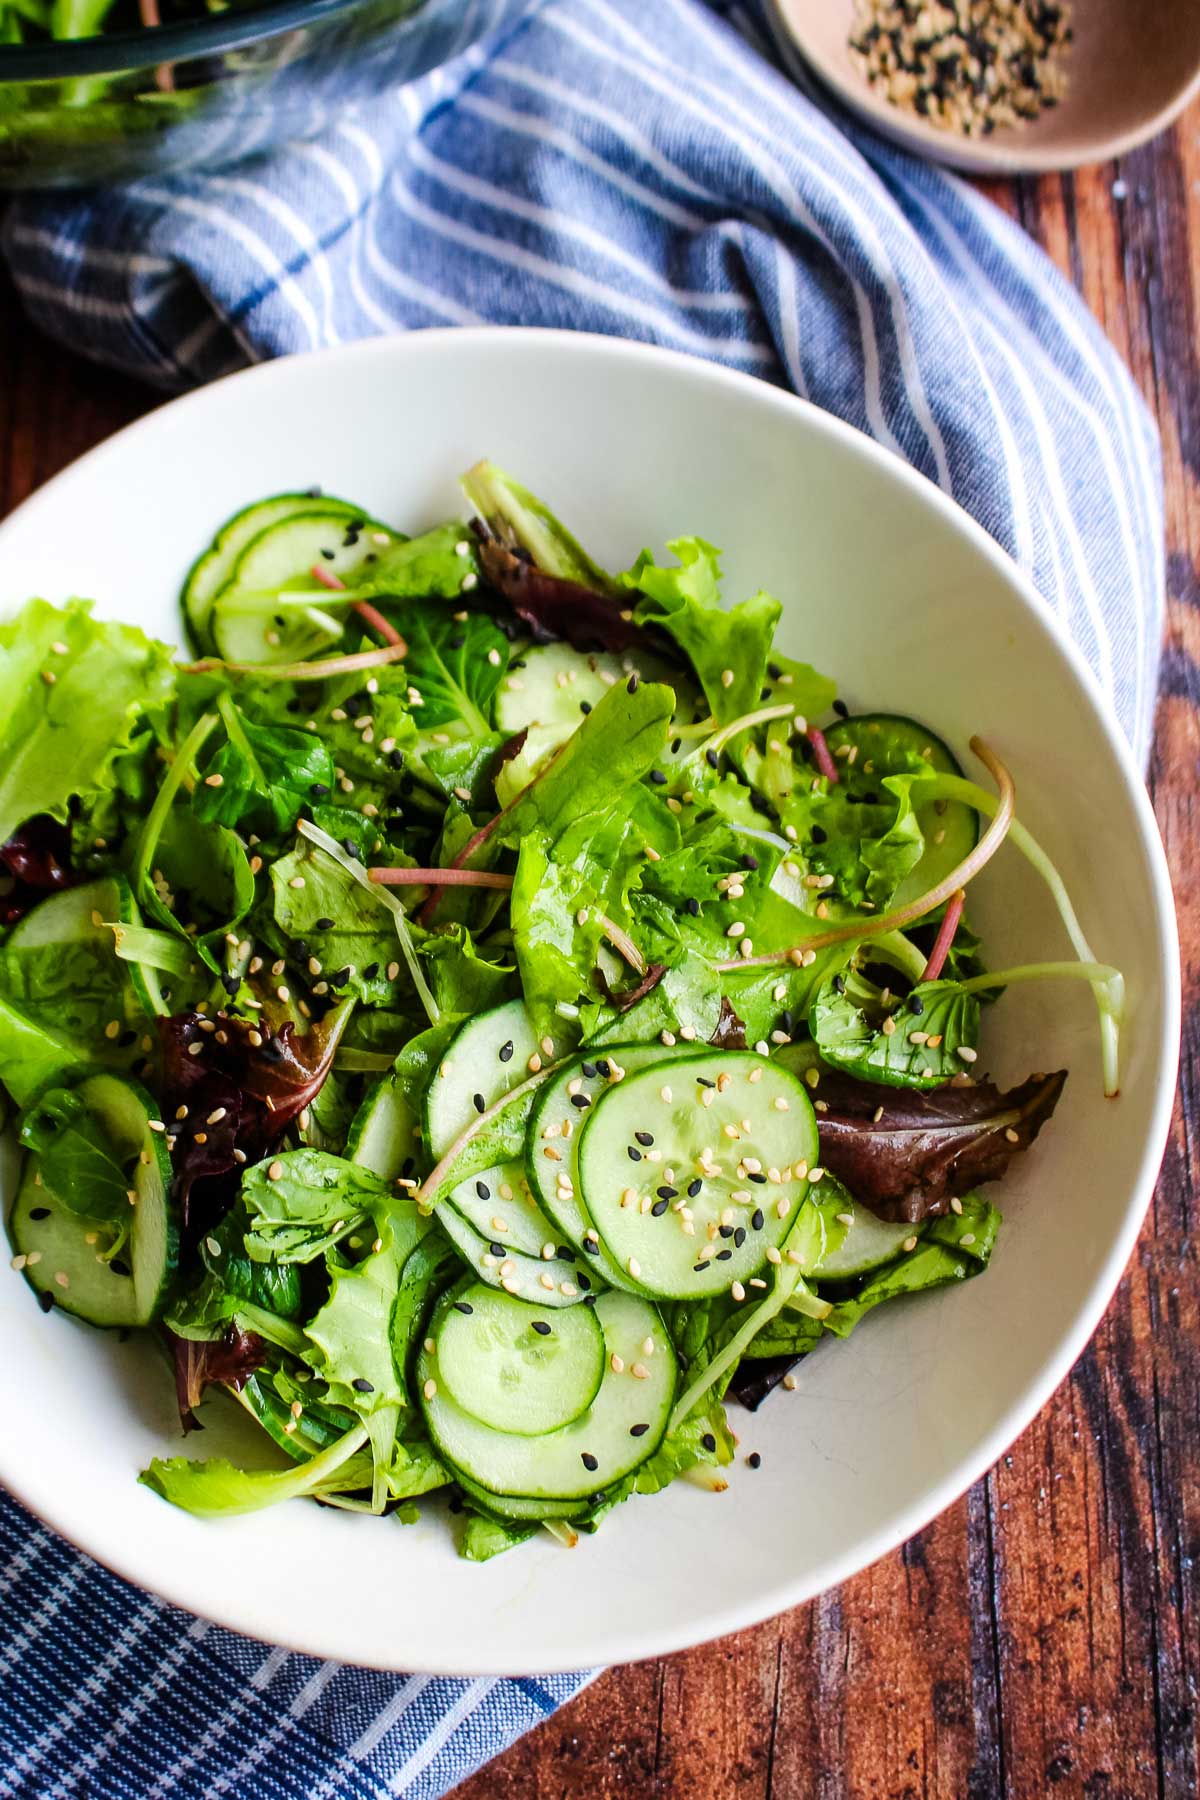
<point x="889" y="586"/>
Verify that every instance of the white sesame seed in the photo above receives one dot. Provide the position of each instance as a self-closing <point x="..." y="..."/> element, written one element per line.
<point x="430" y="1388"/>
<point x="910" y="1243"/>
<point x="726" y="678"/>
<point x="789" y="1382"/>
<point x="967" y="1054"/>
<point x="956" y="1205"/>
<point x="1012" y="1136"/>
<point x="634" y="1267"/>
<point x="275" y="1171"/>
<point x="568" y="1289"/>
<point x="773" y="1255"/>
<point x="640" y="1372"/>
<point x="62" y="1279"/>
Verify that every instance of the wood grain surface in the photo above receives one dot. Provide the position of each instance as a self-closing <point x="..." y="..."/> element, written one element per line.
<point x="1043" y="1636"/>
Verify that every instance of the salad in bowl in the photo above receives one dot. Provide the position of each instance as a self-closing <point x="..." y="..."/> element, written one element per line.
<point x="485" y="1015"/>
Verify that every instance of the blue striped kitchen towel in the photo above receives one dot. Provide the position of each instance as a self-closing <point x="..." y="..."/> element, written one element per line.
<point x="609" y="166"/>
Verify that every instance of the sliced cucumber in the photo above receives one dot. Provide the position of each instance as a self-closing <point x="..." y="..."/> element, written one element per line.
<point x="384" y="1133"/>
<point x="512" y="1368"/>
<point x="693" y="1169"/>
<point x="554" y="689"/>
<point x="868" y="1244"/>
<point x="66" y="1255"/>
<point x="251" y="622"/>
<point x="498" y="1205"/>
<point x="484" y="1061"/>
<point x="214" y="566"/>
<point x="555" y="1124"/>
<point x="889" y="744"/>
<point x="68" y="935"/>
<point x="551" y="1281"/>
<point x="519" y="1506"/>
<point x="621" y="1429"/>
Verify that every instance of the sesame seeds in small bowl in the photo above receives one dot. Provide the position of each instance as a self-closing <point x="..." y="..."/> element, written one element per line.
<point x="1000" y="86"/>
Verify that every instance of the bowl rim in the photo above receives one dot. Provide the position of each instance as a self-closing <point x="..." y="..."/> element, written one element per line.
<point x="174" y="1584"/>
<point x="127" y="52"/>
<point x="1005" y="153"/>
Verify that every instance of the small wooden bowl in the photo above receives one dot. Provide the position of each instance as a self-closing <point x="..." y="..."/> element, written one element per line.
<point x="1133" y="66"/>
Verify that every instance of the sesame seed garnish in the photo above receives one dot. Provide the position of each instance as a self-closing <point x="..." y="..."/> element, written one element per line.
<point x="910" y="1243"/>
<point x="967" y="1238"/>
<point x="956" y="1205"/>
<point x="789" y="1382"/>
<point x="634" y="1267"/>
<point x="275" y="1171"/>
<point x="62" y="1279"/>
<point x="966" y="1053"/>
<point x="430" y="1388"/>
<point x="547" y="1281"/>
<point x="1012" y="1136"/>
<point x="568" y="1289"/>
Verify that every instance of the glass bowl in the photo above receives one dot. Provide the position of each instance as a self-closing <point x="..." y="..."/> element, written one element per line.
<point x="214" y="91"/>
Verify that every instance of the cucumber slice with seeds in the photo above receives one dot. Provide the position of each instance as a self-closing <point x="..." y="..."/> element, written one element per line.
<point x="214" y="566"/>
<point x="499" y="1206"/>
<point x="384" y="1133"/>
<point x="559" y="1112"/>
<point x="514" y="1369"/>
<point x="723" y="1144"/>
<point x="488" y="1057"/>
<point x="64" y="1255"/>
<point x="550" y="1281"/>
<point x="620" y="1430"/>
<point x="251" y="622"/>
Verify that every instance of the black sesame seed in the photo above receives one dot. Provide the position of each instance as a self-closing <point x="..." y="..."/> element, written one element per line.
<point x="705" y="1082"/>
<point x="371" y="971"/>
<point x="40" y="1212"/>
<point x="328" y="555"/>
<point x="458" y="640"/>
<point x="341" y="977"/>
<point x="916" y="1004"/>
<point x="645" y="1138"/>
<point x="119" y="1266"/>
<point x="564" y="1253"/>
<point x="749" y="862"/>
<point x="757" y="1221"/>
<point x="774" y="671"/>
<point x="581" y="1101"/>
<point x="694" y="1188"/>
<point x="464" y="1306"/>
<point x="319" y="788"/>
<point x="349" y="846"/>
<point x="585" y="707"/>
<point x="758" y="1178"/>
<point x="726" y="1231"/>
<point x="818" y="836"/>
<point x="841" y="709"/>
<point x="126" y="1038"/>
<point x="668" y="1193"/>
<point x="479" y="1103"/>
<point x="712" y="759"/>
<point x="361" y="1385"/>
<point x="724" y="1255"/>
<point x="754" y="1460"/>
<point x="659" y="1208"/>
<point x="676" y="745"/>
<point x="588" y="1069"/>
<point x="323" y="925"/>
<point x="396" y="758"/>
<point x="454" y="1504"/>
<point x="691" y="906"/>
<point x="839" y="984"/>
<point x="589" y="1461"/>
<point x="506" y="1051"/>
<point x="603" y="1067"/>
<point x="638" y="1430"/>
<point x="739" y="1236"/>
<point x="708" y="1442"/>
<point x="632" y="1153"/>
<point x="634" y="682"/>
<point x="591" y="1246"/>
<point x="541" y="1327"/>
<point x="658" y="778"/>
<point x="45" y="1301"/>
<point x="700" y="1268"/>
<point x="585" y="1282"/>
<point x="231" y="982"/>
<point x="483" y="1190"/>
<point x="497" y="1249"/>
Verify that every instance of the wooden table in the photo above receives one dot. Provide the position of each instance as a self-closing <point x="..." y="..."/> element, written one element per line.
<point x="1043" y="1637"/>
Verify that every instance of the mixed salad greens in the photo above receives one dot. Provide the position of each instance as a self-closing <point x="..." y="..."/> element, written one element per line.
<point x="476" y="1016"/>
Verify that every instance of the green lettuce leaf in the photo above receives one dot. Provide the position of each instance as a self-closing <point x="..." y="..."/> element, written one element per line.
<point x="262" y="776"/>
<point x="303" y="1202"/>
<point x="72" y="690"/>
<point x="215" y="1488"/>
<point x="728" y="650"/>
